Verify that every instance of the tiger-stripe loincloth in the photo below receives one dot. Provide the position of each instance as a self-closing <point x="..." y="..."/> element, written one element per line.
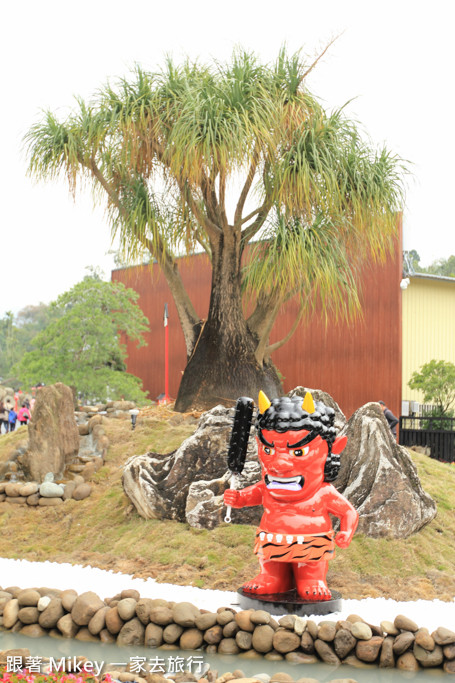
<point x="294" y="548"/>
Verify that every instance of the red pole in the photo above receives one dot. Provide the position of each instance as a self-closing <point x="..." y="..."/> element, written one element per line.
<point x="166" y="364"/>
<point x="166" y="356"/>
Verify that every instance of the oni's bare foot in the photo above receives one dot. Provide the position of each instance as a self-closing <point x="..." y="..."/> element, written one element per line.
<point x="313" y="589"/>
<point x="264" y="583"/>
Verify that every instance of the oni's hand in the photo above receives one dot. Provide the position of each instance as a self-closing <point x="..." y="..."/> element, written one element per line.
<point x="231" y="497"/>
<point x="343" y="539"/>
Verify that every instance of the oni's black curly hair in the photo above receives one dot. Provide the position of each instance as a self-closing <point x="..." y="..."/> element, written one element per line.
<point x="286" y="414"/>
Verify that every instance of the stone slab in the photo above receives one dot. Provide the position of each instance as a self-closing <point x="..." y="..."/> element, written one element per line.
<point x="290" y="602"/>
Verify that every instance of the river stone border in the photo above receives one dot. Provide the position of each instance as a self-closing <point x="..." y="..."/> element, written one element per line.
<point x="128" y="620"/>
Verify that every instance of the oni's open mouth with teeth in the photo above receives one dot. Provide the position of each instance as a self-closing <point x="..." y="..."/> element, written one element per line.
<point x="285" y="483"/>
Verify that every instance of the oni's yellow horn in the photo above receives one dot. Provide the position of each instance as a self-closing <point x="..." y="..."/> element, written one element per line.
<point x="264" y="402"/>
<point x="308" y="403"/>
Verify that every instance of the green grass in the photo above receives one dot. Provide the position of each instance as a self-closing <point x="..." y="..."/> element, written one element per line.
<point x="106" y="531"/>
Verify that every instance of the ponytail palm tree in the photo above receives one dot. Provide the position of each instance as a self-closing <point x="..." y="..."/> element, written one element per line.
<point x="218" y="157"/>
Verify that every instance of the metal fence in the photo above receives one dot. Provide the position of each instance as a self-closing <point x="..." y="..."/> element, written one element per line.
<point x="435" y="433"/>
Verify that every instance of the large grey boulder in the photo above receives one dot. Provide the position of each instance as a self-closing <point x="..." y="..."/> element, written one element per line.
<point x="380" y="480"/>
<point x="53" y="433"/>
<point x="158" y="484"/>
<point x="324" y="397"/>
<point x="205" y="508"/>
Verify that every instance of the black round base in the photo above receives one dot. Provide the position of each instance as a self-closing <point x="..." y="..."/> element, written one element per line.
<point x="290" y="602"/>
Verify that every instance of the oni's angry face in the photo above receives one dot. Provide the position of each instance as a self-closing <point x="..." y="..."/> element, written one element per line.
<point x="292" y="463"/>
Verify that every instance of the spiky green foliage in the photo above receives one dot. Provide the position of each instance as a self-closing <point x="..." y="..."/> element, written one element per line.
<point x="166" y="149"/>
<point x="83" y="346"/>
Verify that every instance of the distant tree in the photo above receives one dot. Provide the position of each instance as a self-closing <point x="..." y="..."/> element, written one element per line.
<point x="436" y="380"/>
<point x="17" y="333"/>
<point x="8" y="346"/>
<point x="442" y="266"/>
<point x="83" y="346"/>
<point x="411" y="262"/>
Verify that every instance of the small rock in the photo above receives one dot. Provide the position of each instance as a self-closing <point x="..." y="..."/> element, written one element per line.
<point x="28" y="489"/>
<point x="403" y="642"/>
<point x="85" y="636"/>
<point x="312" y="628"/>
<point x="113" y="621"/>
<point x="443" y="636"/>
<point x="98" y="621"/>
<point x="404" y="624"/>
<point x="143" y="608"/>
<point x="387" y="659"/>
<point x="326" y="652"/>
<point x="344" y="643"/>
<point x="260" y="617"/>
<point x="243" y="619"/>
<point x="127" y="608"/>
<point x="224" y="617"/>
<point x="428" y="659"/>
<point x="82" y="491"/>
<point x="48" y="489"/>
<point x="43" y="603"/>
<point x="28" y="615"/>
<point x="68" y="598"/>
<point x="299" y="625"/>
<point x="449" y="651"/>
<point x="213" y="635"/>
<point x="47" y="502"/>
<point x="28" y="597"/>
<point x="70" y="487"/>
<point x="191" y="639"/>
<point x="33" y="631"/>
<point x="153" y="635"/>
<point x="288" y="621"/>
<point x="185" y="614"/>
<point x="172" y="633"/>
<point x="327" y="631"/>
<point x="361" y="631"/>
<point x="263" y="638"/>
<point x="85" y="607"/>
<point x="423" y="639"/>
<point x="50" y="616"/>
<point x="389" y="628"/>
<point x="227" y="646"/>
<point x="205" y="621"/>
<point x="407" y="662"/>
<point x="10" y="612"/>
<point x="307" y="643"/>
<point x="67" y="627"/>
<point x="131" y="633"/>
<point x="368" y="650"/>
<point x="285" y="641"/>
<point x="244" y="639"/>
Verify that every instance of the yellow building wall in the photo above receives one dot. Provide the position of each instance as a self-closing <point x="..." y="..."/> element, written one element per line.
<point x="428" y="307"/>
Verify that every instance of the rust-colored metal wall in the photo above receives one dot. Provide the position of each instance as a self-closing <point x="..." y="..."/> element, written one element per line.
<point x="354" y="363"/>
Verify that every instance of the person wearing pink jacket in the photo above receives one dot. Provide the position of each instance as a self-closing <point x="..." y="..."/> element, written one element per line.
<point x="23" y="416"/>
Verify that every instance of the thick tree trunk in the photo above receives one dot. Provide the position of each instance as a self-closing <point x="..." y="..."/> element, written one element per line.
<point x="223" y="366"/>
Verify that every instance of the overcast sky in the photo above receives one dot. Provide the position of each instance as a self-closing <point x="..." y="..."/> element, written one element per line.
<point x="395" y="59"/>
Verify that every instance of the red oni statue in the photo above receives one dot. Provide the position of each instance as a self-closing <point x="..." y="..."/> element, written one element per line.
<point x="299" y="455"/>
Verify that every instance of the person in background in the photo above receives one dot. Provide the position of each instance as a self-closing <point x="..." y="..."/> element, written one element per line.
<point x="23" y="416"/>
<point x="12" y="417"/>
<point x="3" y="417"/>
<point x="390" y="417"/>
